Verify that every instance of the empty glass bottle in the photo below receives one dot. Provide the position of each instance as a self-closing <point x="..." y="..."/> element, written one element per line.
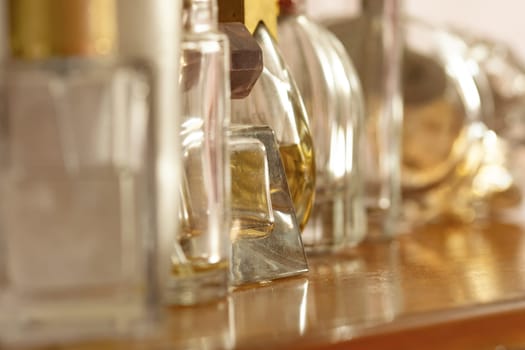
<point x="332" y="95"/>
<point x="374" y="42"/>
<point x="201" y="255"/>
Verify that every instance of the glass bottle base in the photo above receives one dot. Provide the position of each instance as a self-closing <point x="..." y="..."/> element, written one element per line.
<point x="335" y="224"/>
<point x="50" y="321"/>
<point x="383" y="224"/>
<point x="199" y="287"/>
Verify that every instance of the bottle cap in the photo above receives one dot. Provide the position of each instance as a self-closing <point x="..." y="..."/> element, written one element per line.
<point x="56" y="28"/>
<point x="291" y="7"/>
<point x="250" y="13"/>
<point x="246" y="62"/>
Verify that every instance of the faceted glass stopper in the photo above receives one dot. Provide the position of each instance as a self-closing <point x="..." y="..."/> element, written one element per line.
<point x="246" y="58"/>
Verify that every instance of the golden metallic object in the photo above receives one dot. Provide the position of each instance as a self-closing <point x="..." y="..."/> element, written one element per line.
<point x="46" y="28"/>
<point x="250" y="12"/>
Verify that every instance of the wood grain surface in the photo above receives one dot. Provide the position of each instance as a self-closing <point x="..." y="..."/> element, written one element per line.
<point x="445" y="287"/>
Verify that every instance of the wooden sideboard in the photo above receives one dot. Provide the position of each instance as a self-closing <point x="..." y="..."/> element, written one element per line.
<point x="445" y="287"/>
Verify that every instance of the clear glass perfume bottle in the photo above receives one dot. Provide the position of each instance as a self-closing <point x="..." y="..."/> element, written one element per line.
<point x="276" y="102"/>
<point x="444" y="133"/>
<point x="444" y="139"/>
<point x="500" y="180"/>
<point x="265" y="236"/>
<point x="266" y="240"/>
<point x="332" y="95"/>
<point x="374" y="42"/>
<point x="246" y="59"/>
<point x="201" y="257"/>
<point x="157" y="41"/>
<point x="75" y="177"/>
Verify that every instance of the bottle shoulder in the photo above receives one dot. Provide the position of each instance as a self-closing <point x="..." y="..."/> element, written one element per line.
<point x="211" y="40"/>
<point x="76" y="69"/>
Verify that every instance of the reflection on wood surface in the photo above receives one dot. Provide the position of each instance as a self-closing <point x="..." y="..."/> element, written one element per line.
<point x="448" y="286"/>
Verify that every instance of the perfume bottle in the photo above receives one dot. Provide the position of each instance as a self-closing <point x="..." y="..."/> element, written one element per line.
<point x="443" y="143"/>
<point x="374" y="42"/>
<point x="246" y="62"/>
<point x="266" y="240"/>
<point x="332" y="95"/>
<point x="500" y="180"/>
<point x="202" y="251"/>
<point x="275" y="101"/>
<point x="157" y="41"/>
<point x="75" y="177"/>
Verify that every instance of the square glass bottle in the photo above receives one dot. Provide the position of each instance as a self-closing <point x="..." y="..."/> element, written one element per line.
<point x="201" y="255"/>
<point x="76" y="178"/>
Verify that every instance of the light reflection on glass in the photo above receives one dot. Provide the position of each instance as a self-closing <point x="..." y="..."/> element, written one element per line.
<point x="279" y="310"/>
<point x="303" y="309"/>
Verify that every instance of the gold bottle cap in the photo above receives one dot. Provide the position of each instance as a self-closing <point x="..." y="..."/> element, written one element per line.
<point x="250" y="12"/>
<point x="46" y="28"/>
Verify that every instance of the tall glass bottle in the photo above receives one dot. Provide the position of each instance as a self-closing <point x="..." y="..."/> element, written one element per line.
<point x="75" y="176"/>
<point x="157" y="41"/>
<point x="201" y="257"/>
<point x="332" y="94"/>
<point x="374" y="42"/>
<point x="276" y="102"/>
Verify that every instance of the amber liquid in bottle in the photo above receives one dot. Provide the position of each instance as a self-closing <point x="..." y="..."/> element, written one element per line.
<point x="299" y="165"/>
<point x="251" y="204"/>
<point x="198" y="266"/>
<point x="441" y="154"/>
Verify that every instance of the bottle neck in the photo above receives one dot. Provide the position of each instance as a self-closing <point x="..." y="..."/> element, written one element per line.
<point x="292" y="7"/>
<point x="199" y="16"/>
<point x="373" y="7"/>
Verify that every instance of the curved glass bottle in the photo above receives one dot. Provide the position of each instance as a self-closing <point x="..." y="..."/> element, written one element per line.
<point x="201" y="257"/>
<point x="332" y="96"/>
<point x="374" y="41"/>
<point x="444" y="134"/>
<point x="500" y="179"/>
<point x="275" y="101"/>
<point x="443" y="140"/>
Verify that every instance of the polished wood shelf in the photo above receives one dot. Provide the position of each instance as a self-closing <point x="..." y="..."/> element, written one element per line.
<point x="446" y="287"/>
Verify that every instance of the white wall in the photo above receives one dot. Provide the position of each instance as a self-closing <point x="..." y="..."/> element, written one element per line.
<point x="497" y="19"/>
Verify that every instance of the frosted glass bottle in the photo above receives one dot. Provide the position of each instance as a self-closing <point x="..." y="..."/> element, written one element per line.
<point x="76" y="179"/>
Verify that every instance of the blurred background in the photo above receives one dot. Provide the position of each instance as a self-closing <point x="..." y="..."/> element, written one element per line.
<point x="498" y="20"/>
